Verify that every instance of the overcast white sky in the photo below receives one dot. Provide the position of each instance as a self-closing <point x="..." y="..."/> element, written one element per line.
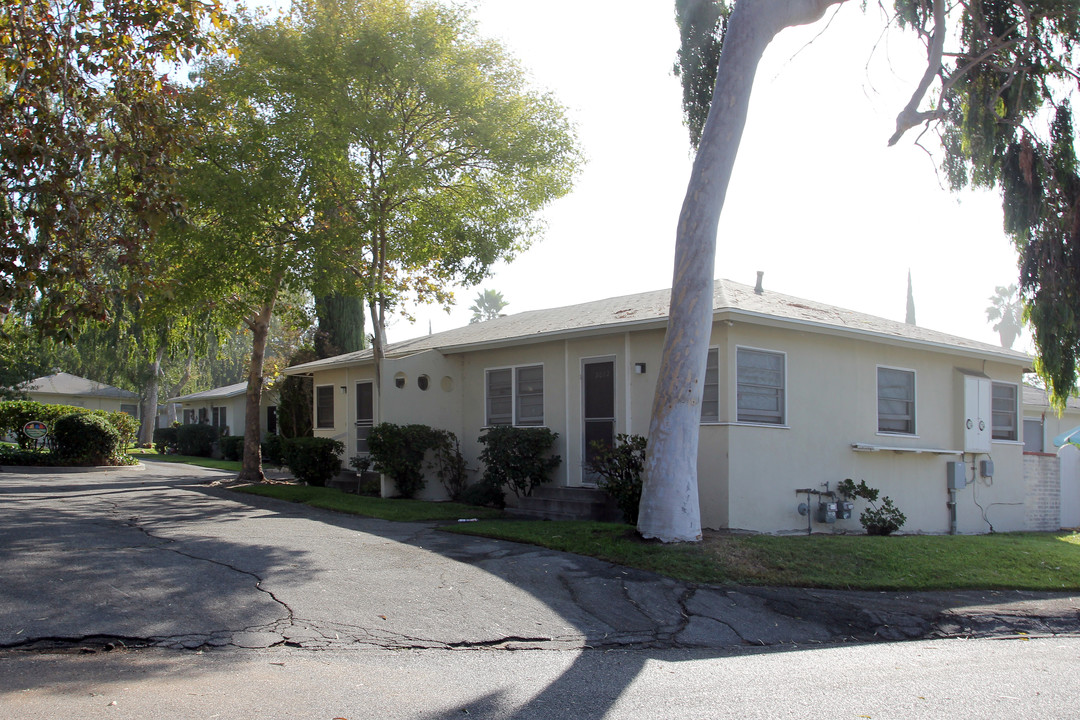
<point x="818" y="201"/>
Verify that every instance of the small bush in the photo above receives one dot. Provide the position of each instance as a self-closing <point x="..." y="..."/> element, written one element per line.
<point x="883" y="520"/>
<point x="125" y="424"/>
<point x="231" y="447"/>
<point x="484" y="494"/>
<point x="398" y="451"/>
<point x="620" y="468"/>
<point x="165" y="440"/>
<point x="85" y="439"/>
<point x="196" y="439"/>
<point x="518" y="457"/>
<point x="313" y="460"/>
<point x="14" y="414"/>
<point x="273" y="450"/>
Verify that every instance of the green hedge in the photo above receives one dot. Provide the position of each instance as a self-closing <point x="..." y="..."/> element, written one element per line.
<point x="196" y="439"/>
<point x="231" y="447"/>
<point x="14" y="414"/>
<point x="518" y="458"/>
<point x="85" y="439"/>
<point x="313" y="460"/>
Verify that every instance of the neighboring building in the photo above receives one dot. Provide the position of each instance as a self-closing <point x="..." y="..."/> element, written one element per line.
<point x="225" y="408"/>
<point x="67" y="389"/>
<point x="797" y="395"/>
<point x="1045" y="436"/>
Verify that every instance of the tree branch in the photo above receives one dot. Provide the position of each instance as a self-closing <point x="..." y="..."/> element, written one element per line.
<point x="910" y="116"/>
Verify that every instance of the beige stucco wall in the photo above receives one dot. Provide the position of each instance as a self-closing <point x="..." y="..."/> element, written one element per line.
<point x="832" y="403"/>
<point x="235" y="410"/>
<point x="748" y="474"/>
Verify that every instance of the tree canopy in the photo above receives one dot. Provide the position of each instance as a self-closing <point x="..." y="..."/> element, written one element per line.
<point x="487" y="306"/>
<point x="90" y="131"/>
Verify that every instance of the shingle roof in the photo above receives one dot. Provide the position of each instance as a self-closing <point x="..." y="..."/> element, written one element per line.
<point x="1037" y="397"/>
<point x="730" y="299"/>
<point x="68" y="384"/>
<point x="220" y="393"/>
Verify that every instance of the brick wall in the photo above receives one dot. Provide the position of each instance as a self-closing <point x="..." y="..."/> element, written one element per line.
<point x="1042" y="503"/>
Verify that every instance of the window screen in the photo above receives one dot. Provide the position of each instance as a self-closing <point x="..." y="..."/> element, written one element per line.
<point x="896" y="401"/>
<point x="760" y="386"/>
<point x="1004" y="411"/>
<point x="324" y="406"/>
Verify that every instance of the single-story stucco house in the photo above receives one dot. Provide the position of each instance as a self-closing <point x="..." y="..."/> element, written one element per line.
<point x="225" y="408"/>
<point x="798" y="395"/>
<point x="66" y="389"/>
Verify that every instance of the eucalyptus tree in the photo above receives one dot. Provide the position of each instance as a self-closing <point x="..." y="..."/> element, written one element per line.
<point x="999" y="77"/>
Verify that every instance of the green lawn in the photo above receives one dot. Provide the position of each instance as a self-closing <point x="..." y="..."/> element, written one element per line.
<point x="1020" y="561"/>
<point x="382" y="508"/>
<point x="152" y="455"/>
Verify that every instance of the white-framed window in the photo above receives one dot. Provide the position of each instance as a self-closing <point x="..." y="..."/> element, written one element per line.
<point x="760" y="383"/>
<point x="896" y="400"/>
<point x="1034" y="441"/>
<point x="218" y="417"/>
<point x="324" y="406"/>
<point x="710" y="397"/>
<point x="514" y="395"/>
<point x="132" y="410"/>
<point x="1004" y="411"/>
<point x="189" y="416"/>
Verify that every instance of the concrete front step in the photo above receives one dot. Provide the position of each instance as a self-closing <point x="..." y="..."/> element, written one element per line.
<point x="567" y="503"/>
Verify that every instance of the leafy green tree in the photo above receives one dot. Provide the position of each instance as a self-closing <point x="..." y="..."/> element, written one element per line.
<point x="997" y="71"/>
<point x="90" y="130"/>
<point x="487" y="306"/>
<point x="441" y="154"/>
<point x="1007" y="314"/>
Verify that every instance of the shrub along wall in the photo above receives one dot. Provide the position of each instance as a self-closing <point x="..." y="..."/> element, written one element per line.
<point x="14" y="414"/>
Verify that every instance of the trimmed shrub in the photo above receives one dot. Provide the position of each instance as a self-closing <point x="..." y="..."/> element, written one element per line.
<point x="86" y="439"/>
<point x="518" y="457"/>
<point x="484" y="494"/>
<point x="231" y="447"/>
<point x="196" y="439"/>
<point x="399" y="450"/>
<point x="273" y="450"/>
<point x="620" y="468"/>
<point x="313" y="460"/>
<point x="14" y="414"/>
<point x="165" y="440"/>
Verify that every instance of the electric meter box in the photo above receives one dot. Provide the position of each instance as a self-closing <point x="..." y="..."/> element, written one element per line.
<point x="976" y="417"/>
<point x="956" y="474"/>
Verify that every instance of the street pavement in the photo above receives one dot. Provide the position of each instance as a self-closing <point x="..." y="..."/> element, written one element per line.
<point x="160" y="573"/>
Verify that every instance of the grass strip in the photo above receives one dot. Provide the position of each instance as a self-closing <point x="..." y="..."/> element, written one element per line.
<point x="152" y="456"/>
<point x="397" y="509"/>
<point x="1020" y="561"/>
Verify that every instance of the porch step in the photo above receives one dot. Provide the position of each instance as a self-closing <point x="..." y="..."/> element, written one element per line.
<point x="567" y="503"/>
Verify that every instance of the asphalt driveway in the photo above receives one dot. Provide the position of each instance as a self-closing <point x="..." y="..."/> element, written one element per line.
<point x="157" y="556"/>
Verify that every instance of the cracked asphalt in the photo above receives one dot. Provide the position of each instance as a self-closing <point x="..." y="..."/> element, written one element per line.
<point x="157" y="557"/>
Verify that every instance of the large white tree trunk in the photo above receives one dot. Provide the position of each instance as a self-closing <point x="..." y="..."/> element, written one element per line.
<point x="669" y="509"/>
<point x="150" y="399"/>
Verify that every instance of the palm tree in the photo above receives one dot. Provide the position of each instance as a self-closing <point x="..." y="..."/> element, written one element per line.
<point x="487" y="306"/>
<point x="1008" y="311"/>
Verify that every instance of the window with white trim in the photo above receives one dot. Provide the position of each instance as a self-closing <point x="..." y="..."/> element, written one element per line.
<point x="896" y="401"/>
<point x="759" y="380"/>
<point x="515" y="396"/>
<point x="324" y="406"/>
<point x="710" y="397"/>
<point x="1004" y="411"/>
